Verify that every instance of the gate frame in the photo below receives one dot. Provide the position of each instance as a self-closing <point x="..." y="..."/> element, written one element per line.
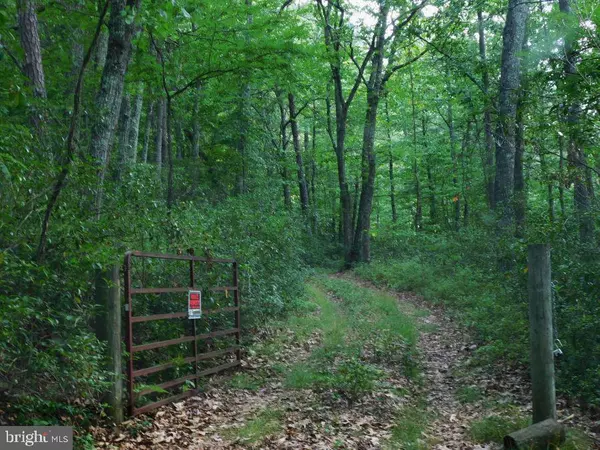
<point x="131" y="319"/>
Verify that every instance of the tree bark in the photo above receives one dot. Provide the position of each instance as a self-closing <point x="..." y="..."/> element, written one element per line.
<point x="134" y="129"/>
<point x="520" y="192"/>
<point x="453" y="157"/>
<point x="430" y="180"/>
<point x="361" y="250"/>
<point x="510" y="83"/>
<point x="298" y="151"/>
<point x="123" y="136"/>
<point x="418" y="222"/>
<point x="168" y="148"/>
<point x="244" y="116"/>
<point x="196" y="131"/>
<point x="108" y="99"/>
<point x="149" y="119"/>
<point x="487" y="116"/>
<point x="391" y="166"/>
<point x="160" y="120"/>
<point x="30" y="42"/>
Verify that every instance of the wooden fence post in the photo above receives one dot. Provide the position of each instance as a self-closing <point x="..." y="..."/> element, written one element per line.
<point x="108" y="329"/>
<point x="540" y="332"/>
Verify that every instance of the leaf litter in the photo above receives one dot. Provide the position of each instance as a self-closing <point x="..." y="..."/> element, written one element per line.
<point x="317" y="419"/>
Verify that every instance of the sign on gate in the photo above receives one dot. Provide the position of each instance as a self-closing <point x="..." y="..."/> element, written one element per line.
<point x="194" y="304"/>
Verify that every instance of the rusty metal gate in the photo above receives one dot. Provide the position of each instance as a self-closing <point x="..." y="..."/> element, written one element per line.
<point x="195" y="358"/>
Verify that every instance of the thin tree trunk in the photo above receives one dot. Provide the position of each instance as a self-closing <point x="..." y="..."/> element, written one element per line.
<point x="520" y="193"/>
<point x="487" y="116"/>
<point x="180" y="139"/>
<point x="419" y="205"/>
<point x="123" y="135"/>
<point x="355" y="202"/>
<point x="561" y="174"/>
<point x="430" y="181"/>
<point x="71" y="142"/>
<point x="391" y="165"/>
<point x="134" y="129"/>
<point x="298" y="151"/>
<point x="168" y="148"/>
<point x="149" y="119"/>
<point x="196" y="132"/>
<point x="159" y="134"/>
<point x="456" y="194"/>
<point x="244" y="116"/>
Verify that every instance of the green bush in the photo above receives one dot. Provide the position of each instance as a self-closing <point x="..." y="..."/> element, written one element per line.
<point x="461" y="271"/>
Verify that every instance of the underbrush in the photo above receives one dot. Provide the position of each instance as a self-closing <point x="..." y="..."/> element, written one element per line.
<point x="51" y="363"/>
<point x="460" y="271"/>
<point x="349" y="358"/>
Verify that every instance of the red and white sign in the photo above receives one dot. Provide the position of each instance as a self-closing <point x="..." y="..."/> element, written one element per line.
<point x="194" y="304"/>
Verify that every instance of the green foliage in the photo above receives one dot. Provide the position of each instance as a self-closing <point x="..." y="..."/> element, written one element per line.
<point x="408" y="429"/>
<point x="468" y="394"/>
<point x="461" y="272"/>
<point x="494" y="428"/>
<point x="264" y="424"/>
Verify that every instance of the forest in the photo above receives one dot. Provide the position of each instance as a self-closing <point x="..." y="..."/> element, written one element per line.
<point x="350" y="155"/>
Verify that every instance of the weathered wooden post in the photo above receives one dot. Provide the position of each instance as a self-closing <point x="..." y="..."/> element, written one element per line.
<point x="540" y="332"/>
<point x="108" y="329"/>
<point x="545" y="429"/>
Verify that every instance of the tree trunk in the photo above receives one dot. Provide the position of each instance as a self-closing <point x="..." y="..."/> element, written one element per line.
<point x="159" y="134"/>
<point x="168" y="148"/>
<point x="149" y="119"/>
<point x="196" y="132"/>
<point x="361" y="250"/>
<point x="30" y="42"/>
<point x="108" y="99"/>
<point x="510" y="82"/>
<point x="520" y="192"/>
<point x="430" y="179"/>
<point x="134" y="129"/>
<point x="456" y="194"/>
<point x="575" y="150"/>
<point x="180" y="139"/>
<point x="391" y="166"/>
<point x="300" y="165"/>
<point x="487" y="117"/>
<point x="418" y="222"/>
<point x="561" y="174"/>
<point x="355" y="202"/>
<point x="101" y="49"/>
<point x="244" y="117"/>
<point x="123" y="136"/>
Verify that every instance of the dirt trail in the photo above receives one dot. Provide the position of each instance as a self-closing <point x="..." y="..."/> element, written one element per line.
<point x="452" y="394"/>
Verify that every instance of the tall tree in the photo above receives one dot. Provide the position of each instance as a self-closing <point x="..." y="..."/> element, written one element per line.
<point x="30" y="42"/>
<point x="510" y="83"/>
<point x="303" y="187"/>
<point x="487" y="115"/>
<point x="121" y="29"/>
